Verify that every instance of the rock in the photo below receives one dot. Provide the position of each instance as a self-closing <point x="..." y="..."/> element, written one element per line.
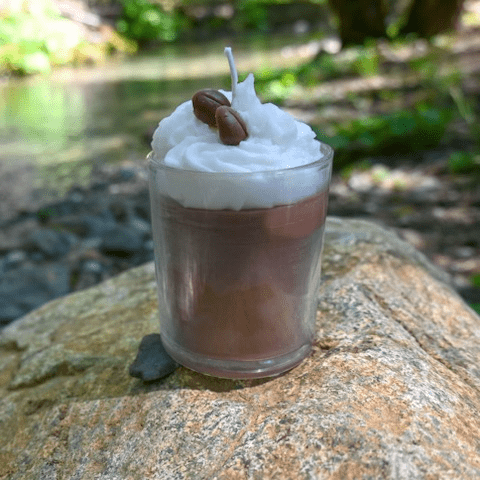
<point x="27" y="287"/>
<point x="9" y="310"/>
<point x="89" y="273"/>
<point x="121" y="241"/>
<point x="13" y="238"/>
<point x="13" y="259"/>
<point x="126" y="174"/>
<point x="391" y="389"/>
<point x="119" y="209"/>
<point x="50" y="212"/>
<point x="89" y="226"/>
<point x="152" y="361"/>
<point x="49" y="243"/>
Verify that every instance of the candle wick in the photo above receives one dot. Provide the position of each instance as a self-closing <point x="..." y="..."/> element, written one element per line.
<point x="233" y="71"/>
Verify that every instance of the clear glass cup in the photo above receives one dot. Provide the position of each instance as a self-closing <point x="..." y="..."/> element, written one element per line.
<point x="238" y="289"/>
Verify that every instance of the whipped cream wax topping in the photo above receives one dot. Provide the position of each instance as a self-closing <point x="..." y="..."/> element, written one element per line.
<point x="275" y="142"/>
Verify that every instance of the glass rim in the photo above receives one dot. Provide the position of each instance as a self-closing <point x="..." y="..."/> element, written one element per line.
<point x="324" y="162"/>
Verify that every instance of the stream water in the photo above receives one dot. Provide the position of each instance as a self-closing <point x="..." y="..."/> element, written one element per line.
<point x="59" y="126"/>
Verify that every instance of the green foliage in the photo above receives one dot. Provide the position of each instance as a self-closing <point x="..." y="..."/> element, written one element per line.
<point x="363" y="61"/>
<point x="476" y="307"/>
<point x="279" y="89"/>
<point x="463" y="162"/>
<point x="323" y="68"/>
<point x="476" y="280"/>
<point x="398" y="132"/>
<point x="252" y="15"/>
<point x="144" y="21"/>
<point x="368" y="60"/>
<point x="33" y="43"/>
<point x="440" y="99"/>
<point x="361" y="166"/>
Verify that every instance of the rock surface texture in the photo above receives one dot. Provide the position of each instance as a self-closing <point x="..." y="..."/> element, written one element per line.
<point x="391" y="389"/>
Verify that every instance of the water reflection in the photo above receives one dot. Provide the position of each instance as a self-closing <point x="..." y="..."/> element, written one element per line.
<point x="64" y="129"/>
<point x="50" y="119"/>
<point x="41" y="115"/>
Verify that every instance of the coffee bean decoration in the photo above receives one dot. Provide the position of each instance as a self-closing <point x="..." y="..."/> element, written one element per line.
<point x="231" y="127"/>
<point x="205" y="103"/>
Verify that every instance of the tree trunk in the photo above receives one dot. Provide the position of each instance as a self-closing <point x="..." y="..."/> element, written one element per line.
<point x="362" y="19"/>
<point x="430" y="17"/>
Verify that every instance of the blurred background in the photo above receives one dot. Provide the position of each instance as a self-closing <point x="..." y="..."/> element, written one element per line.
<point x="392" y="85"/>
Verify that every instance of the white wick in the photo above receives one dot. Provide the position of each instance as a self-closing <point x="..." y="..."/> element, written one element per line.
<point x="233" y="70"/>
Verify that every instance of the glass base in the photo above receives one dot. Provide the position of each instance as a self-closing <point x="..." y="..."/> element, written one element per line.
<point x="236" y="369"/>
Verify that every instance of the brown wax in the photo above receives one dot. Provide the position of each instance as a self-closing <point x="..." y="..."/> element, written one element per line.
<point x="236" y="281"/>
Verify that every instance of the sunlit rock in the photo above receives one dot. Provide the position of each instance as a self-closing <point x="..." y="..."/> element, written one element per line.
<point x="391" y="389"/>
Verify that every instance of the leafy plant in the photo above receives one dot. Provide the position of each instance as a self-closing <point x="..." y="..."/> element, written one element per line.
<point x="361" y="166"/>
<point x="368" y="60"/>
<point x="144" y="21"/>
<point x="397" y="132"/>
<point x="34" y="42"/>
<point x="278" y="90"/>
<point x="252" y="15"/>
<point x="463" y="162"/>
<point x="475" y="280"/>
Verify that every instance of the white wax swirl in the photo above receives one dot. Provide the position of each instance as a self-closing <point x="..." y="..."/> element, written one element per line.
<point x="276" y="141"/>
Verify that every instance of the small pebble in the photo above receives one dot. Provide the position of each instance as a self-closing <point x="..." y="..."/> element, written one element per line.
<point x="121" y="241"/>
<point x="152" y="361"/>
<point x="14" y="259"/>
